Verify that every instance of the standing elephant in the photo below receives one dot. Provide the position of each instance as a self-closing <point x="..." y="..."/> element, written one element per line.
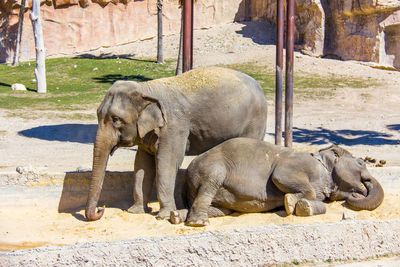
<point x="167" y="118"/>
<point x="248" y="175"/>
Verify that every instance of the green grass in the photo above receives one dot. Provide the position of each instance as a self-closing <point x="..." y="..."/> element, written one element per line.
<point x="79" y="84"/>
<point x="304" y="84"/>
<point x="74" y="84"/>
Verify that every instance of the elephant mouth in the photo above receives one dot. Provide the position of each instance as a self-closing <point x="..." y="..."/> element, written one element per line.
<point x="357" y="195"/>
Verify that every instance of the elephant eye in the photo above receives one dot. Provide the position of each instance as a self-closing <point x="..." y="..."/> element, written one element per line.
<point x="361" y="162"/>
<point x="116" y="120"/>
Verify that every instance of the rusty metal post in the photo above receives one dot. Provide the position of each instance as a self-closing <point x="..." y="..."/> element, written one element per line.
<point x="191" y="35"/>
<point x="289" y="74"/>
<point x="187" y="35"/>
<point x="279" y="71"/>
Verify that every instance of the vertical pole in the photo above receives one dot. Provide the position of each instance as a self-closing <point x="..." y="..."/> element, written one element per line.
<point x="20" y="24"/>
<point x="40" y="70"/>
<point x="289" y="74"/>
<point x="191" y="35"/>
<point x="187" y="34"/>
<point x="160" y="51"/>
<point x="279" y="71"/>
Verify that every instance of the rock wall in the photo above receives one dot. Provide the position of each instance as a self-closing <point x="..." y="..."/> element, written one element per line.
<point x="75" y="26"/>
<point x="366" y="30"/>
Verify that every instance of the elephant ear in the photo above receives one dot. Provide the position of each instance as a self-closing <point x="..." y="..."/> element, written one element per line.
<point x="151" y="118"/>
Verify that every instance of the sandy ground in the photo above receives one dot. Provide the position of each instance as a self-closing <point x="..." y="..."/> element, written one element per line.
<point x="365" y="121"/>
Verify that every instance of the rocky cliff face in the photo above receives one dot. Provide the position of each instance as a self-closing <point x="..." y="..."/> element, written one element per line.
<point x="367" y="30"/>
<point x="75" y="26"/>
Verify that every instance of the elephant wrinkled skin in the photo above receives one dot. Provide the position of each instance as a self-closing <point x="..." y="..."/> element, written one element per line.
<point x="168" y="118"/>
<point x="248" y="175"/>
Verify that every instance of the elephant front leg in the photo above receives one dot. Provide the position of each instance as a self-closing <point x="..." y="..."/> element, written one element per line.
<point x="170" y="154"/>
<point x="143" y="181"/>
<point x="306" y="207"/>
<point x="295" y="186"/>
<point x="201" y="208"/>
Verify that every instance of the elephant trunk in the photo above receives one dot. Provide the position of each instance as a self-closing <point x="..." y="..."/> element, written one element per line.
<point x="101" y="153"/>
<point x="373" y="199"/>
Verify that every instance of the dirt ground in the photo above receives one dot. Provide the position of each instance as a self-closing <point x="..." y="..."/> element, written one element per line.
<point x="365" y="121"/>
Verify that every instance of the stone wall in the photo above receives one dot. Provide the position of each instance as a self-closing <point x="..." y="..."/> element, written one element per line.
<point x="75" y="26"/>
<point x="366" y="30"/>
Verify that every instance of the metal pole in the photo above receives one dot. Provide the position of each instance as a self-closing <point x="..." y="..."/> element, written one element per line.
<point x="187" y="35"/>
<point x="279" y="71"/>
<point x="289" y="74"/>
<point x="191" y="36"/>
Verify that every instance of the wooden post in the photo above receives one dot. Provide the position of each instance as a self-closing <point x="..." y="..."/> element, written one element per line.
<point x="40" y="70"/>
<point x="20" y="24"/>
<point x="160" y="52"/>
<point x="279" y="71"/>
<point x="289" y="74"/>
<point x="187" y="35"/>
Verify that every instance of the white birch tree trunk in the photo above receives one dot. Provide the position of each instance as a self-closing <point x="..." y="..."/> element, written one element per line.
<point x="20" y="23"/>
<point x="160" y="52"/>
<point x="180" y="50"/>
<point x="40" y="70"/>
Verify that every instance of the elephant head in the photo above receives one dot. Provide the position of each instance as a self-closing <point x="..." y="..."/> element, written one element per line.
<point x="354" y="183"/>
<point x="124" y="117"/>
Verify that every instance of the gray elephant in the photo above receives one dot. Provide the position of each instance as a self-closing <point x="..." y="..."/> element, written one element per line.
<point x="167" y="118"/>
<point x="248" y="175"/>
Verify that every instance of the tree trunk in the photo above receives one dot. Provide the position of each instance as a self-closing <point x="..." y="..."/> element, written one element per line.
<point x="20" y="23"/>
<point x="40" y="70"/>
<point x="180" y="50"/>
<point x="160" y="52"/>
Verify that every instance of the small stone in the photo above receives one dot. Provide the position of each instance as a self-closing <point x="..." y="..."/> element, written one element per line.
<point x="349" y="215"/>
<point x="23" y="169"/>
<point x="18" y="87"/>
<point x="20" y="169"/>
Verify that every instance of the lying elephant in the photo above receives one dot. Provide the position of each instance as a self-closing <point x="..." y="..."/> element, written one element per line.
<point x="248" y="175"/>
<point x="167" y="118"/>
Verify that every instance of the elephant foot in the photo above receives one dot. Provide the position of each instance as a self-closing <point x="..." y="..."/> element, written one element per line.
<point x="290" y="203"/>
<point x="197" y="221"/>
<point x="138" y="209"/>
<point x="178" y="216"/>
<point x="164" y="214"/>
<point x="175" y="218"/>
<point x="304" y="208"/>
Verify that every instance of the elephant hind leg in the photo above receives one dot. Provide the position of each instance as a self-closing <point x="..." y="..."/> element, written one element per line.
<point x="218" y="212"/>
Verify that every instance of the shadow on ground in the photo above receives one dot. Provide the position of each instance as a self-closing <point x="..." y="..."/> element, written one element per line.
<point x="393" y="127"/>
<point x="321" y="136"/>
<point x="78" y="133"/>
<point x="256" y="31"/>
<point x="111" y="78"/>
<point x="116" y="192"/>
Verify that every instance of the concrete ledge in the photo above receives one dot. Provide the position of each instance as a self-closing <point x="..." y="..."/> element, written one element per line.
<point x="345" y="240"/>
